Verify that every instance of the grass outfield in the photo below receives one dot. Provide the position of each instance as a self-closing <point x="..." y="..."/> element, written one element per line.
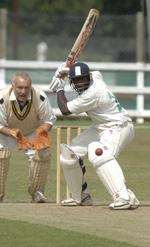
<point x="51" y="224"/>
<point x="29" y="235"/>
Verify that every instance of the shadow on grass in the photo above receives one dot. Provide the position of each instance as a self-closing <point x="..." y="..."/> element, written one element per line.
<point x="16" y="234"/>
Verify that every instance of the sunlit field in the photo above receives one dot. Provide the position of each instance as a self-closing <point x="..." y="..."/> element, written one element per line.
<point x="97" y="225"/>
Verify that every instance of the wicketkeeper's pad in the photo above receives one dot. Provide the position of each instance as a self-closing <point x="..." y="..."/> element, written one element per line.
<point x="38" y="171"/>
<point x="4" y="166"/>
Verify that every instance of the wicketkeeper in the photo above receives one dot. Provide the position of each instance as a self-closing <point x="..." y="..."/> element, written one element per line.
<point x="111" y="131"/>
<point x="26" y="118"/>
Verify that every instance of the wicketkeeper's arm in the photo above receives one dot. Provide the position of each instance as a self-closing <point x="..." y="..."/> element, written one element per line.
<point x="46" y="126"/>
<point x="9" y="132"/>
<point x="5" y="131"/>
<point x="22" y="141"/>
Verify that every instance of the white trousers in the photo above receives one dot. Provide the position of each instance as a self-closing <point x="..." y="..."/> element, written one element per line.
<point x="115" y="138"/>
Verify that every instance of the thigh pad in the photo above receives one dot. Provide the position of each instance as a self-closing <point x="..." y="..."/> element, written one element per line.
<point x="99" y="154"/>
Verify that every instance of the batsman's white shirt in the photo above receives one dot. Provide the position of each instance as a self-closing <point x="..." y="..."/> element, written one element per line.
<point x="36" y="112"/>
<point x="99" y="103"/>
<point x="111" y="123"/>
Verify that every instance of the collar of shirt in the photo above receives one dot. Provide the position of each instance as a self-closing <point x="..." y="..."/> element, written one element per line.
<point x="12" y="96"/>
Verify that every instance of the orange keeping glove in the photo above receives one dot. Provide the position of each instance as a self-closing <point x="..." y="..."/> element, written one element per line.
<point x="41" y="140"/>
<point x="22" y="142"/>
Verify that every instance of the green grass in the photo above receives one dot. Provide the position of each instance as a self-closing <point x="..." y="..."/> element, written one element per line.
<point x="134" y="161"/>
<point x="21" y="234"/>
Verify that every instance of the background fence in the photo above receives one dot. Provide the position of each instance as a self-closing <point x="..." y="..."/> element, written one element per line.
<point x="116" y="41"/>
<point x="129" y="81"/>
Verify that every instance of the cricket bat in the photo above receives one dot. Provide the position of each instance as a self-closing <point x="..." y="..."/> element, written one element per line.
<point x="83" y="37"/>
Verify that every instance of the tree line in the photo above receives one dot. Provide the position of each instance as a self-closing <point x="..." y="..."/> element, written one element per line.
<point x="77" y="7"/>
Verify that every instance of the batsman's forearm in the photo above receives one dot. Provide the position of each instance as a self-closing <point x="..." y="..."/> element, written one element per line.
<point x="62" y="102"/>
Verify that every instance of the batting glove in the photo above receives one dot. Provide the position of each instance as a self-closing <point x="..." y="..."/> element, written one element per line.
<point x="62" y="71"/>
<point x="56" y="85"/>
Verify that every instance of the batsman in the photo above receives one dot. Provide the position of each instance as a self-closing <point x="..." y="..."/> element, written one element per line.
<point x="111" y="130"/>
<point x="26" y="118"/>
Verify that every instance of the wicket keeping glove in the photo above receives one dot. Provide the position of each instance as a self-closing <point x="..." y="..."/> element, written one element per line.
<point x="22" y="142"/>
<point x="41" y="140"/>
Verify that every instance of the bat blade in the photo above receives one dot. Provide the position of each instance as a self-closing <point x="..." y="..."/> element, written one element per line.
<point x="83" y="37"/>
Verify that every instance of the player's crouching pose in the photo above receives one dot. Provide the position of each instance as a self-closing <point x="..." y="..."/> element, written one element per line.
<point x="26" y="118"/>
<point x="111" y="131"/>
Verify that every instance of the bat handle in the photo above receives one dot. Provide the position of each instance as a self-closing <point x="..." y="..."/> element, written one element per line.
<point x="70" y="61"/>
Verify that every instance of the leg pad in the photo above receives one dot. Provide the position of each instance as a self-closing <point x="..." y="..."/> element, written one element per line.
<point x="4" y="166"/>
<point x="38" y="171"/>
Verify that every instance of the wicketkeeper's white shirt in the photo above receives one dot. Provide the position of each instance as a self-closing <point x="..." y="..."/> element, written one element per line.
<point x="37" y="111"/>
